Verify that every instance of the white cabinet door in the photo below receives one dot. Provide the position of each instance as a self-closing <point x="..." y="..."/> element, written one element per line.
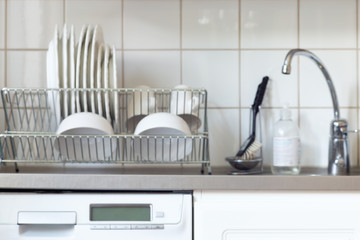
<point x="237" y="215"/>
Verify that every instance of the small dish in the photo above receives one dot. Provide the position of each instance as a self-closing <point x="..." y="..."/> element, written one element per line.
<point x="88" y="147"/>
<point x="243" y="164"/>
<point x="78" y="76"/>
<point x="162" y="138"/>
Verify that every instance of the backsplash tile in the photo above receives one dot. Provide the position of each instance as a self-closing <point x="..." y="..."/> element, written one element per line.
<point x="30" y="23"/>
<point x="210" y="24"/>
<point x="330" y="24"/>
<point x="151" y="24"/>
<point x="107" y="13"/>
<point x="2" y="24"/>
<point x="341" y="65"/>
<point x="269" y="24"/>
<point x="224" y="139"/>
<point x="315" y="129"/>
<point x="281" y="90"/>
<point x="217" y="71"/>
<point x="26" y="69"/>
<point x="223" y="46"/>
<point x="2" y="70"/>
<point x="152" y="68"/>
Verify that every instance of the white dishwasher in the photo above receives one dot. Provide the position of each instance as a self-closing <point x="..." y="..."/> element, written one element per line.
<point x="95" y="215"/>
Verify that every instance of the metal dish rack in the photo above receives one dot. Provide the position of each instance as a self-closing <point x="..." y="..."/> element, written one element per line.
<point x="33" y="115"/>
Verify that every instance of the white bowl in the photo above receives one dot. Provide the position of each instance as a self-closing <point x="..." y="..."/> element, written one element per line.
<point x="88" y="147"/>
<point x="162" y="138"/>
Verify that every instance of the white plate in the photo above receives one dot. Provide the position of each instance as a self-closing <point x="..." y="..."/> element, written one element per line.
<point x="71" y="82"/>
<point x="52" y="82"/>
<point x="95" y="43"/>
<point x="57" y="77"/>
<point x="64" y="80"/>
<point x="114" y="84"/>
<point x="86" y="64"/>
<point x="78" y="71"/>
<point x="99" y="81"/>
<point x="106" y="82"/>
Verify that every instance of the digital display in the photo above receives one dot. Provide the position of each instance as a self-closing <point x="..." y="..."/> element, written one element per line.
<point x="120" y="212"/>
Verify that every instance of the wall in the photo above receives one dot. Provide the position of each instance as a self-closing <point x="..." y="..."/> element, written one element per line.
<point x="225" y="46"/>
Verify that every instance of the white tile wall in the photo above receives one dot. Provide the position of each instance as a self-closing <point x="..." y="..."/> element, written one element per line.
<point x="30" y="23"/>
<point x="224" y="46"/>
<point x="330" y="24"/>
<point x="2" y="70"/>
<point x="2" y="24"/>
<point x="217" y="71"/>
<point x="262" y="22"/>
<point x="225" y="138"/>
<point x="107" y="13"/>
<point x="342" y="67"/>
<point x="315" y="128"/>
<point x="210" y="24"/>
<point x="282" y="89"/>
<point x="152" y="68"/>
<point x="151" y="24"/>
<point x="26" y="69"/>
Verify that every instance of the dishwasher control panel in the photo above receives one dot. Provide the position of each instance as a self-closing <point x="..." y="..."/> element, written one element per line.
<point x="96" y="215"/>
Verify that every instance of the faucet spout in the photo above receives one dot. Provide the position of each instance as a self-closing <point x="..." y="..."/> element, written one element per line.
<point x="339" y="163"/>
<point x="287" y="69"/>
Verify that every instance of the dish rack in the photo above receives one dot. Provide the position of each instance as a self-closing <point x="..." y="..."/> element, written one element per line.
<point x="32" y="117"/>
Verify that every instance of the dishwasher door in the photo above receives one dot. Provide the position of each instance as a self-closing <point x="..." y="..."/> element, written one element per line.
<point x="88" y="216"/>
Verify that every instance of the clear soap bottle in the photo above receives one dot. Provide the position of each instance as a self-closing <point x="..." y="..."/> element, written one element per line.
<point x="286" y="145"/>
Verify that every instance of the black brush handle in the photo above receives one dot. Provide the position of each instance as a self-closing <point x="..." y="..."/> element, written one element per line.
<point x="258" y="100"/>
<point x="260" y="92"/>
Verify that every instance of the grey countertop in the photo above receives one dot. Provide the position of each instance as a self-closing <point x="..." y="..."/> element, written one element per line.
<point x="117" y="178"/>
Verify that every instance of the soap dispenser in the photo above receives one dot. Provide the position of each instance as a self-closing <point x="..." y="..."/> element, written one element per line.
<point x="286" y="145"/>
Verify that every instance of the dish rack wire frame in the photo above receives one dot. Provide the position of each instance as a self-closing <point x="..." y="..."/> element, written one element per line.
<point x="31" y="125"/>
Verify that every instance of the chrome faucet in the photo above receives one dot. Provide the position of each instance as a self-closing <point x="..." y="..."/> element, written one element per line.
<point x="339" y="163"/>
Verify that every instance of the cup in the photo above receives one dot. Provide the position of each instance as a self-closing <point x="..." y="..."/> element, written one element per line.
<point x="141" y="103"/>
<point x="186" y="104"/>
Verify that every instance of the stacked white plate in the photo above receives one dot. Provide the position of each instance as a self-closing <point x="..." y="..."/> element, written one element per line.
<point x="89" y="64"/>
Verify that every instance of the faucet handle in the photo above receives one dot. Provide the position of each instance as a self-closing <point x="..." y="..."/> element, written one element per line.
<point x="338" y="128"/>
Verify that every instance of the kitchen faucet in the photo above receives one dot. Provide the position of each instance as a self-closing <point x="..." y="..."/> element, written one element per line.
<point x="339" y="163"/>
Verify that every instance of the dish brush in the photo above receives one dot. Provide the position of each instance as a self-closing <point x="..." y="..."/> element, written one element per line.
<point x="250" y="147"/>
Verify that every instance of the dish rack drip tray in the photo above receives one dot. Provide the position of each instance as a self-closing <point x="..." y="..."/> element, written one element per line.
<point x="32" y="117"/>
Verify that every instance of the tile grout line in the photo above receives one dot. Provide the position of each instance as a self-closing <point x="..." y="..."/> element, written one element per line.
<point x="122" y="46"/>
<point x="298" y="63"/>
<point x="239" y="71"/>
<point x="357" y="77"/>
<point x="64" y="11"/>
<point x="181" y="44"/>
<point x="195" y="49"/>
<point x="5" y="42"/>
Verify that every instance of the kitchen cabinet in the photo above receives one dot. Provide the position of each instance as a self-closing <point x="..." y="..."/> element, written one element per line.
<point x="280" y="215"/>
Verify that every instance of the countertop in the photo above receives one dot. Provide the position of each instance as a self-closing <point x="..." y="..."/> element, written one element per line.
<point x="115" y="178"/>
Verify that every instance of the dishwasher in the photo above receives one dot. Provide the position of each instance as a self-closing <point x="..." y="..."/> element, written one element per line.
<point x="95" y="215"/>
